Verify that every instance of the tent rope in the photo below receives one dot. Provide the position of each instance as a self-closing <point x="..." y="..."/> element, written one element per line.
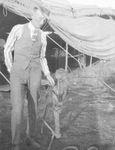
<point x="24" y="16"/>
<point x="107" y="85"/>
<point x="4" y="77"/>
<point x="63" y="49"/>
<point x="101" y="81"/>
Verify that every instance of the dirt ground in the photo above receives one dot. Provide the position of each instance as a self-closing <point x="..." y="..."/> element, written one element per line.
<point x="87" y="118"/>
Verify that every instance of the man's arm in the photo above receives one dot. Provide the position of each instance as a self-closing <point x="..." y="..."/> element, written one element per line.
<point x="9" y="46"/>
<point x="43" y="60"/>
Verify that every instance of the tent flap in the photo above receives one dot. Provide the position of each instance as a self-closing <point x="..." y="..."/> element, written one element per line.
<point x="94" y="36"/>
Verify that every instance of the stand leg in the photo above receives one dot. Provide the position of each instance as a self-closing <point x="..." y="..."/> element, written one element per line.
<point x="51" y="141"/>
<point x="57" y="124"/>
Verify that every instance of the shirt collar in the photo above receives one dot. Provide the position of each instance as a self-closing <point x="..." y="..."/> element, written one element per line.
<point x="31" y="27"/>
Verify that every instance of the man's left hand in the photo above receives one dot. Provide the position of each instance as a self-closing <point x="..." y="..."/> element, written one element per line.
<point x="50" y="79"/>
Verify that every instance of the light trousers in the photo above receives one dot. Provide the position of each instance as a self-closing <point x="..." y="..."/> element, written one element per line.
<point x="20" y="78"/>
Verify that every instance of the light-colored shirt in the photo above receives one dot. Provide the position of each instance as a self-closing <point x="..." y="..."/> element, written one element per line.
<point x="32" y="29"/>
<point x="15" y="35"/>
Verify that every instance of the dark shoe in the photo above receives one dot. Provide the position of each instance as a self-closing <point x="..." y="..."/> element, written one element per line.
<point x="15" y="147"/>
<point x="32" y="142"/>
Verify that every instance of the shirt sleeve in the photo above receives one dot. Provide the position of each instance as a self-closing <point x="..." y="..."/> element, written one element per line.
<point x="9" y="46"/>
<point x="43" y="60"/>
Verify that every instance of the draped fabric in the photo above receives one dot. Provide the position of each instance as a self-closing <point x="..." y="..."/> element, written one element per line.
<point x="80" y="26"/>
<point x="93" y="36"/>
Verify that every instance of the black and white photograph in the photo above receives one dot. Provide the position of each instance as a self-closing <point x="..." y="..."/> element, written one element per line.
<point x="57" y="74"/>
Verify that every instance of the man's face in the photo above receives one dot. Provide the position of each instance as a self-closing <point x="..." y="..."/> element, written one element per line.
<point x="38" y="19"/>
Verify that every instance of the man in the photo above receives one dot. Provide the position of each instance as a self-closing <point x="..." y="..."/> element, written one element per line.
<point x="29" y="45"/>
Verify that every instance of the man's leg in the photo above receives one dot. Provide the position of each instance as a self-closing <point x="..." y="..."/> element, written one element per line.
<point x="17" y="101"/>
<point x="33" y="96"/>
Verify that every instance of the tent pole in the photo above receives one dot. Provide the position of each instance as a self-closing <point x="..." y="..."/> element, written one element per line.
<point x="66" y="58"/>
<point x="90" y="61"/>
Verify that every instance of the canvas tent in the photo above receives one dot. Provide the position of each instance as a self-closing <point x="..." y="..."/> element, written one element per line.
<point x="79" y="25"/>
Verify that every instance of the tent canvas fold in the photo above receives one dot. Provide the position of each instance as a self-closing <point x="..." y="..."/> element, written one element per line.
<point x="94" y="36"/>
<point x="79" y="26"/>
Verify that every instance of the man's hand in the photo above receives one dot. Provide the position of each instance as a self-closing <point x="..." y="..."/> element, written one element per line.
<point x="50" y="79"/>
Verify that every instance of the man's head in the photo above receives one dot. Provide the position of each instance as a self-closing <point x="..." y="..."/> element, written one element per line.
<point x="39" y="16"/>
